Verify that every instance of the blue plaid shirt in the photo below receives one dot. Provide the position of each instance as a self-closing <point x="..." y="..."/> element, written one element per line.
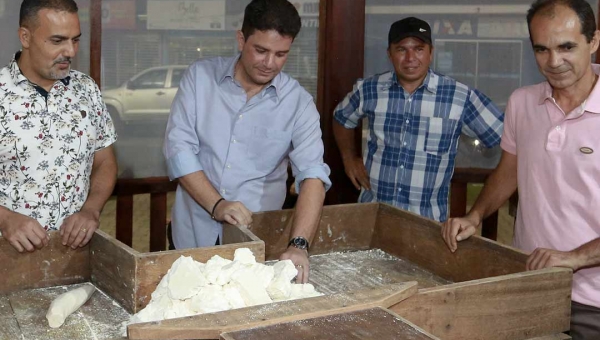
<point x="413" y="138"/>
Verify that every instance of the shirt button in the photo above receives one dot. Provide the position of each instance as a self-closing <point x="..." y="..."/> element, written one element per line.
<point x="399" y="190"/>
<point x="401" y="166"/>
<point x="234" y="141"/>
<point x="404" y="143"/>
<point x="407" y="121"/>
<point x="558" y="128"/>
<point x="228" y="166"/>
<point x="241" y="116"/>
<point x="223" y="191"/>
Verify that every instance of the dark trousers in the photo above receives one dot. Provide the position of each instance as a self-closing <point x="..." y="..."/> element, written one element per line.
<point x="170" y="237"/>
<point x="585" y="322"/>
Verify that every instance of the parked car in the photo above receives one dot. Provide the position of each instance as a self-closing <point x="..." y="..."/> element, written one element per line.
<point x="147" y="96"/>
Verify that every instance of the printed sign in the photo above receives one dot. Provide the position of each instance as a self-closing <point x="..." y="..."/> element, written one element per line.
<point x="513" y="28"/>
<point x="118" y="14"/>
<point x="186" y="15"/>
<point x="306" y="8"/>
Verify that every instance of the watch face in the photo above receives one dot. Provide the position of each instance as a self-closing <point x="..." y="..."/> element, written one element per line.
<point x="300" y="242"/>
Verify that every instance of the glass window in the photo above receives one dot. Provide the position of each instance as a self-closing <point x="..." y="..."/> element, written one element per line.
<point x="9" y="24"/>
<point x="140" y="35"/>
<point x="176" y="76"/>
<point x="485" y="46"/>
<point x="150" y="80"/>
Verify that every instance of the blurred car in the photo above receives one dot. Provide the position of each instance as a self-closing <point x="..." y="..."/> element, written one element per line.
<point x="147" y="96"/>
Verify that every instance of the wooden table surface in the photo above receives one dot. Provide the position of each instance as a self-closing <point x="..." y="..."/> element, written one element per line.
<point x="374" y="323"/>
<point x="23" y="316"/>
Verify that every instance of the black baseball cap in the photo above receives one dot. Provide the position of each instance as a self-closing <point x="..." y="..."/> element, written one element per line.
<point x="409" y="27"/>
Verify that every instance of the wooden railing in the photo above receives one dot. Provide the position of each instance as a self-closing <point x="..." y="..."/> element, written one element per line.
<point x="458" y="197"/>
<point x="158" y="187"/>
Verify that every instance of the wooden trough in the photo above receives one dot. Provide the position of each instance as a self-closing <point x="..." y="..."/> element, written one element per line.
<point x="480" y="292"/>
<point x="363" y="257"/>
<point x="126" y="276"/>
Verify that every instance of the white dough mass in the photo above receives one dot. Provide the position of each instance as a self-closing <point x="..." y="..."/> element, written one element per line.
<point x="65" y="304"/>
<point x="191" y="287"/>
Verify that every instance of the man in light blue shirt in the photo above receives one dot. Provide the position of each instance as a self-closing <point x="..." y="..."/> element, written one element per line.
<point x="234" y="124"/>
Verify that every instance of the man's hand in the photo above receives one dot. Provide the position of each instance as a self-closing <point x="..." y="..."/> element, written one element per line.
<point x="234" y="213"/>
<point x="78" y="229"/>
<point x="455" y="230"/>
<point x="300" y="259"/>
<point x="356" y="171"/>
<point x="23" y="232"/>
<point x="544" y="258"/>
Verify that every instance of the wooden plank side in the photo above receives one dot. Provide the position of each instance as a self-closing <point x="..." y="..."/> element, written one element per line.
<point x="9" y="327"/>
<point x="209" y="326"/>
<point x="158" y="221"/>
<point x="95" y="17"/>
<point x="148" y="185"/>
<point x="373" y="323"/>
<point x="516" y="306"/>
<point x="52" y="265"/>
<point x="343" y="272"/>
<point x="124" y="228"/>
<point x="419" y="240"/>
<point x="341" y="61"/>
<point x="342" y="227"/>
<point x="151" y="267"/>
<point x="113" y="269"/>
<point x="234" y="234"/>
<point x="458" y="198"/>
<point x="560" y="336"/>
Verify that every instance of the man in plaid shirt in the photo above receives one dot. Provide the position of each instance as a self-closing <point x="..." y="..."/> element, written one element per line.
<point x="415" y="118"/>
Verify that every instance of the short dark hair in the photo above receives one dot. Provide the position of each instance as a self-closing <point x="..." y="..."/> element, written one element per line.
<point x="266" y="15"/>
<point x="583" y="10"/>
<point x="30" y="8"/>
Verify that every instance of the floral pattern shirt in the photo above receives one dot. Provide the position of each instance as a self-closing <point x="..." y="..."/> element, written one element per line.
<point x="47" y="144"/>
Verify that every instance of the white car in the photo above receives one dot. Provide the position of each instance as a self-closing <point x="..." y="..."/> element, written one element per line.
<point x="147" y="96"/>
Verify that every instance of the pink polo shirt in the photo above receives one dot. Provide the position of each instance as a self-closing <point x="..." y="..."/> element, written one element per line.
<point x="558" y="176"/>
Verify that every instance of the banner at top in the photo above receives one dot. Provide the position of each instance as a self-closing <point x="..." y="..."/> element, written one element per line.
<point x="186" y="15"/>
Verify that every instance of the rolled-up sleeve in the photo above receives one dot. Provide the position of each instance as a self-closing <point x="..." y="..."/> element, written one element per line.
<point x="307" y="153"/>
<point x="181" y="146"/>
<point x="484" y="118"/>
<point x="349" y="111"/>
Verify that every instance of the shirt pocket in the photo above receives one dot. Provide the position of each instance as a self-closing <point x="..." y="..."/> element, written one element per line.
<point x="268" y="147"/>
<point x="439" y="135"/>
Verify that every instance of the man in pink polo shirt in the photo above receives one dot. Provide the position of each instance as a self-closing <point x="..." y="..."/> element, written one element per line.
<point x="551" y="151"/>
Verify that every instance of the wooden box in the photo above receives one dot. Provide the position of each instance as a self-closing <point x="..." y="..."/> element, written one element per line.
<point x="125" y="275"/>
<point x="374" y="323"/>
<point x="491" y="295"/>
<point x="480" y="292"/>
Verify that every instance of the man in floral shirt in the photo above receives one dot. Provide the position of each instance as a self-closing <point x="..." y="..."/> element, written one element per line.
<point x="57" y="165"/>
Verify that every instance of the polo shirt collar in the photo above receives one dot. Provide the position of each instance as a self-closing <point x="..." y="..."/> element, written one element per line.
<point x="592" y="103"/>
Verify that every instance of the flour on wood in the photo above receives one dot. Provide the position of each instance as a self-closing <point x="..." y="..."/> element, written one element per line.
<point x="65" y="304"/>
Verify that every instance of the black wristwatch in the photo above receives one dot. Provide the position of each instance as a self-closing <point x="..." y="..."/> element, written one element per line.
<point x="299" y="242"/>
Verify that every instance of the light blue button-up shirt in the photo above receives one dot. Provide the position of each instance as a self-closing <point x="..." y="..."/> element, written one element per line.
<point x="242" y="146"/>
